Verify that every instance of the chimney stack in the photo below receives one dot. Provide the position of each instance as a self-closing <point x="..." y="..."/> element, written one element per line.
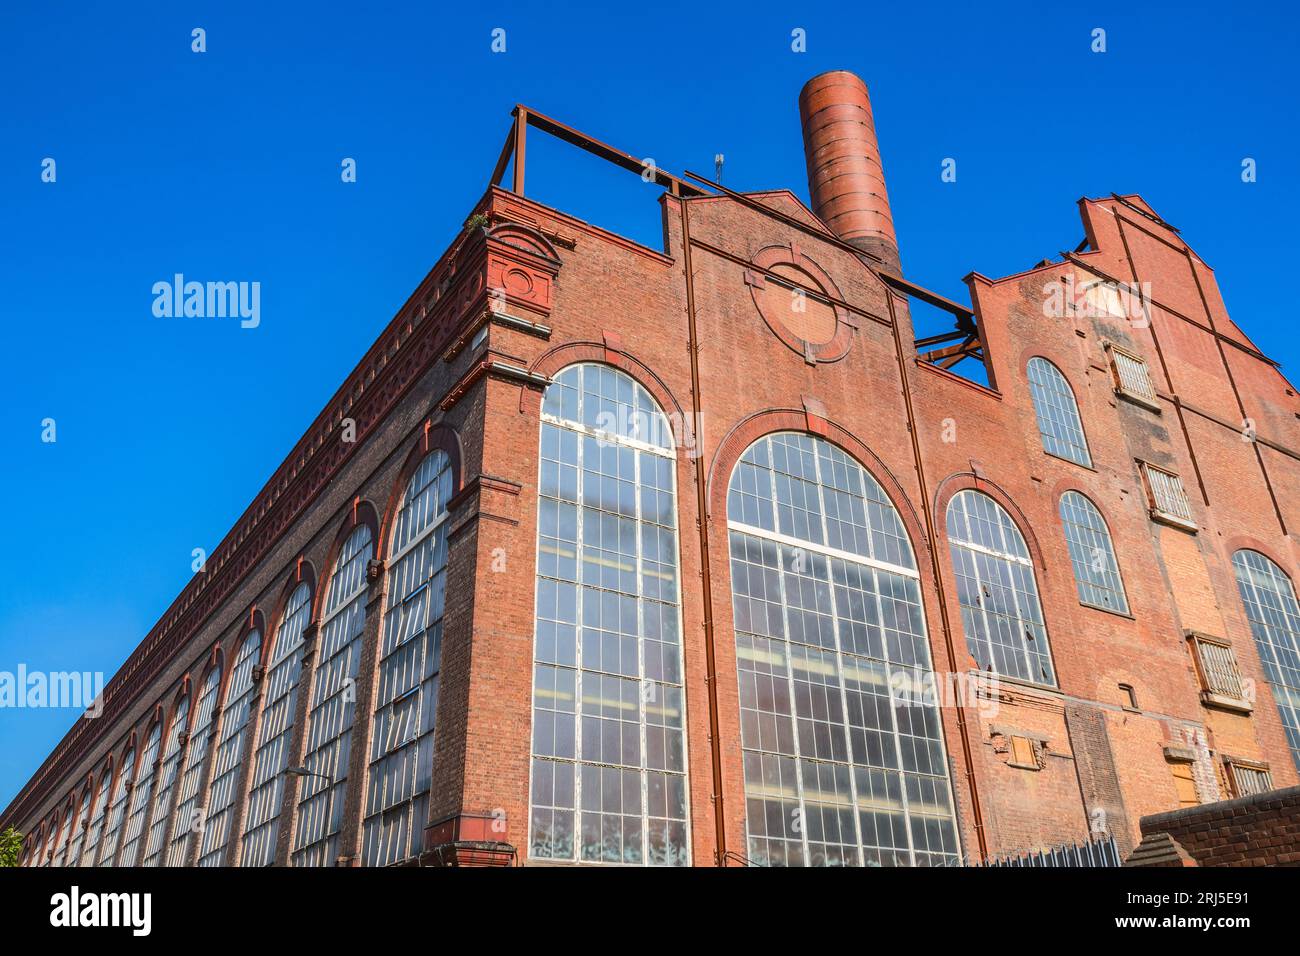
<point x="845" y="177"/>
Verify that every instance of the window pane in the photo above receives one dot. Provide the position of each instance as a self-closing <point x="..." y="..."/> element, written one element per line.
<point x="1274" y="618"/>
<point x="1092" y="554"/>
<point x="1057" y="412"/>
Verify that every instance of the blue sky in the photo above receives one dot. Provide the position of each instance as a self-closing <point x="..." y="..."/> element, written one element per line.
<point x="225" y="165"/>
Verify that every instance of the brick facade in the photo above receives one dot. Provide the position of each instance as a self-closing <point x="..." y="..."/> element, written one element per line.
<point x="1259" y="830"/>
<point x="463" y="366"/>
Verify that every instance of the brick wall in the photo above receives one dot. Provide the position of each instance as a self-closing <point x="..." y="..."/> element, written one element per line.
<point x="1260" y="830"/>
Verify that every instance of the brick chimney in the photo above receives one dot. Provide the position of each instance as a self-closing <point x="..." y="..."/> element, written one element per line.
<point x="845" y="177"/>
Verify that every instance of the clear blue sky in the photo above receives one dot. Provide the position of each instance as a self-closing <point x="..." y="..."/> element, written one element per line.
<point x="225" y="166"/>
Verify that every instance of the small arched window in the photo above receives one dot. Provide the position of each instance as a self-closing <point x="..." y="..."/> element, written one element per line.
<point x="844" y="759"/>
<point x="173" y="747"/>
<point x="1000" y="610"/>
<point x="1274" y="616"/>
<point x="1092" y="554"/>
<point x="402" y="745"/>
<point x="228" y="760"/>
<point x="1057" y="413"/>
<point x="333" y="702"/>
<point x="117" y="809"/>
<point x="609" y="758"/>
<point x="140" y="795"/>
<point x="262" y="827"/>
<point x="79" y="826"/>
<point x="189" y="816"/>
<point x="65" y="835"/>
<point x="97" y="814"/>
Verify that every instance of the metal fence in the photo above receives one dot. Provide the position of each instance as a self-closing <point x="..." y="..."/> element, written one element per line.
<point x="1099" y="852"/>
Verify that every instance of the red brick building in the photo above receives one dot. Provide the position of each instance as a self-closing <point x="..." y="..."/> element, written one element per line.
<point x="606" y="553"/>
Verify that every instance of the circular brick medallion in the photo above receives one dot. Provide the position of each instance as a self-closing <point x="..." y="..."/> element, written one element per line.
<point x="793" y="295"/>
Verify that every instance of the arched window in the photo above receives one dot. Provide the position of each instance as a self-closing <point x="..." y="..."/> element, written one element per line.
<point x="333" y="701"/>
<point x="79" y="826"/>
<point x="65" y="835"/>
<point x="1274" y="617"/>
<point x="1092" y="555"/>
<point x="1057" y="413"/>
<point x="167" y="771"/>
<point x="140" y="795"/>
<point x="843" y="754"/>
<point x="97" y="812"/>
<point x="1000" y="610"/>
<point x="189" y="815"/>
<point x="228" y="760"/>
<point x="117" y="809"/>
<point x="262" y="827"/>
<point x="401" y="753"/>
<point x="609" y="758"/>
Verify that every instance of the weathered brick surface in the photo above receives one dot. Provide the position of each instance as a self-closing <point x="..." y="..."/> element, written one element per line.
<point x="1261" y="830"/>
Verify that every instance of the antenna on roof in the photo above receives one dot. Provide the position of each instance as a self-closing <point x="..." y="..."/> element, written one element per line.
<point x="717" y="165"/>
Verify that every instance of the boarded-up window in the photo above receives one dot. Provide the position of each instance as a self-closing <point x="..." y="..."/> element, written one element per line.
<point x="1168" y="498"/>
<point x="1184" y="783"/>
<point x="1132" y="377"/>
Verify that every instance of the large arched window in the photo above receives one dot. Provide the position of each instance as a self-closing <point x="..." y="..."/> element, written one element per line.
<point x="65" y="834"/>
<point x="1057" y="413"/>
<point x="329" y="725"/>
<point x="167" y="771"/>
<point x="140" y="795"/>
<point x="1000" y="610"/>
<point x="79" y="826"/>
<point x="1092" y="555"/>
<point x="228" y="760"/>
<point x="609" y="759"/>
<point x="401" y="754"/>
<point x="262" y="827"/>
<point x="97" y="813"/>
<point x="189" y="815"/>
<point x="843" y="753"/>
<point x="1274" y="617"/>
<point x="117" y="809"/>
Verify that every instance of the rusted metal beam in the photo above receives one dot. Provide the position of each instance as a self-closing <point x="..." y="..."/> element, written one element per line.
<point x="506" y="152"/>
<point x="606" y="152"/>
<point x="520" y="144"/>
<point x="929" y="340"/>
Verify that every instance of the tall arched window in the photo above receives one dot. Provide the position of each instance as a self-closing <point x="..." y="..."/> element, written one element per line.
<point x="140" y="795"/>
<point x="329" y="725"/>
<point x="79" y="826"/>
<point x="117" y="809"/>
<point x="1274" y="617"/>
<point x="609" y="758"/>
<point x="97" y="813"/>
<point x="843" y="753"/>
<point x="228" y="760"/>
<point x="167" y="771"/>
<point x="1000" y="610"/>
<point x="401" y="754"/>
<point x="189" y="815"/>
<point x="1057" y="413"/>
<point x="262" y="827"/>
<point x="65" y="834"/>
<point x="1092" y="555"/>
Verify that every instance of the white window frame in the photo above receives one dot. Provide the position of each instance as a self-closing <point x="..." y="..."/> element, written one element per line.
<point x="228" y="756"/>
<point x="196" y="752"/>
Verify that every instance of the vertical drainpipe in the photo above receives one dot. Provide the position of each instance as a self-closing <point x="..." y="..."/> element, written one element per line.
<point x="702" y="509"/>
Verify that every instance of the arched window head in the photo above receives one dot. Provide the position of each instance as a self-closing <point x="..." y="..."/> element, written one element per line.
<point x="1092" y="554"/>
<point x="1274" y="617"/>
<point x="844" y="759"/>
<point x="595" y="398"/>
<point x="79" y="826"/>
<point x="401" y="758"/>
<point x="1000" y="610"/>
<point x="262" y="826"/>
<point x="333" y="697"/>
<point x="117" y="809"/>
<point x="1057" y="413"/>
<point x="190" y="816"/>
<point x="228" y="758"/>
<point x="98" y="811"/>
<point x="140" y="795"/>
<point x="609" y="756"/>
<point x="65" y="835"/>
<point x="173" y="747"/>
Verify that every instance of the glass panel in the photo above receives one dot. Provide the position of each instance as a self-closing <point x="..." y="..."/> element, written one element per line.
<point x="1057" y="412"/>
<point x="1092" y="555"/>
<point x="1274" y="618"/>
